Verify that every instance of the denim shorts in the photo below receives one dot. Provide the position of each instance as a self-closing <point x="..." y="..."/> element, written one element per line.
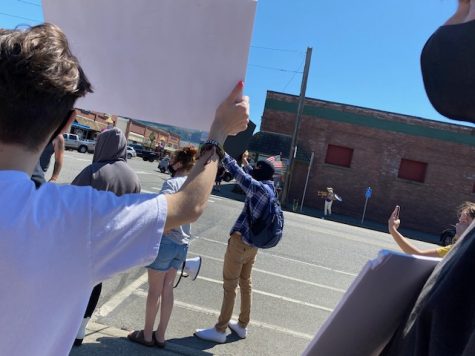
<point x="170" y="255"/>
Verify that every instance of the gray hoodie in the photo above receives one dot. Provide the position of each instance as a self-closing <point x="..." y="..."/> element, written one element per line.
<point x="109" y="170"/>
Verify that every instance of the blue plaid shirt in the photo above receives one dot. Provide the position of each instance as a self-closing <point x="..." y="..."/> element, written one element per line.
<point x="257" y="196"/>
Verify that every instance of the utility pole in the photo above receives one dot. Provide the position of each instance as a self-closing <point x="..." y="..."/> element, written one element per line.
<point x="293" y="146"/>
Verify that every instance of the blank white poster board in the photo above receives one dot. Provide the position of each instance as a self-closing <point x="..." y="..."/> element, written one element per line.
<point x="168" y="61"/>
<point x="373" y="307"/>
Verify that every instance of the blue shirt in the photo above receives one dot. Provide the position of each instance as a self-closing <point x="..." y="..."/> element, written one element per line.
<point x="257" y="196"/>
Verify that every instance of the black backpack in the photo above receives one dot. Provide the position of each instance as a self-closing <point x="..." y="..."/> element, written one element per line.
<point x="266" y="231"/>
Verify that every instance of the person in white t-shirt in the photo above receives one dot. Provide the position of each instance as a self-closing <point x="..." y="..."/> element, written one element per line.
<point x="57" y="242"/>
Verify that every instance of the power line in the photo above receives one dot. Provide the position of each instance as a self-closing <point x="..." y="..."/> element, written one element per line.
<point x="277" y="49"/>
<point x="19" y="17"/>
<point x="293" y="76"/>
<point x="29" y="2"/>
<point x="274" y="68"/>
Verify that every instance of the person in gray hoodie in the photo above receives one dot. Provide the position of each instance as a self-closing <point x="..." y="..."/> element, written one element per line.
<point x="109" y="171"/>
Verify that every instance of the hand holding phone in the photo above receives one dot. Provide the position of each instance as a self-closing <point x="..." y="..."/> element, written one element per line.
<point x="396" y="211"/>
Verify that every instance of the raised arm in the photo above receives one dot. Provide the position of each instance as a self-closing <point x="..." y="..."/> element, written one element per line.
<point x="461" y="13"/>
<point x="58" y="145"/>
<point x="404" y="244"/>
<point x="187" y="205"/>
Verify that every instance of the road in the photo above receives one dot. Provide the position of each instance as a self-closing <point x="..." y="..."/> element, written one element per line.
<point x="296" y="284"/>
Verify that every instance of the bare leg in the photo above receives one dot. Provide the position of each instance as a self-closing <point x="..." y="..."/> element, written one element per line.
<point x="167" y="304"/>
<point x="155" y="286"/>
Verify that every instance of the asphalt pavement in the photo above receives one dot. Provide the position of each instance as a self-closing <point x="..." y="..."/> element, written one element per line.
<point x="296" y="285"/>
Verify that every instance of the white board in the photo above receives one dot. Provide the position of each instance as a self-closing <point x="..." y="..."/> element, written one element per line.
<point x="374" y="305"/>
<point x="168" y="61"/>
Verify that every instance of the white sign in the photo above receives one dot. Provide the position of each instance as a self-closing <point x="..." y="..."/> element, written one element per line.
<point x="168" y="61"/>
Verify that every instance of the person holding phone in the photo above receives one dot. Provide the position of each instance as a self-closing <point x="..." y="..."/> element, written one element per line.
<point x="466" y="216"/>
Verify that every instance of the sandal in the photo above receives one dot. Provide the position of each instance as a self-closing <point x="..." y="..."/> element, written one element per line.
<point x="159" y="344"/>
<point x="139" y="337"/>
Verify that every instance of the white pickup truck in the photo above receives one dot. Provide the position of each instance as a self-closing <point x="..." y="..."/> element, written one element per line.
<point x="72" y="142"/>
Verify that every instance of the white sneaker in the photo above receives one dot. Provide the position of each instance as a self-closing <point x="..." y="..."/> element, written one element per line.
<point x="238" y="329"/>
<point x="211" y="334"/>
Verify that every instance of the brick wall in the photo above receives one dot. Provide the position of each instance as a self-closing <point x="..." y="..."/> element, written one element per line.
<point x="379" y="141"/>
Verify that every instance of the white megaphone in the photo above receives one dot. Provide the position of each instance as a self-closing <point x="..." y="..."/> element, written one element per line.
<point x="190" y="269"/>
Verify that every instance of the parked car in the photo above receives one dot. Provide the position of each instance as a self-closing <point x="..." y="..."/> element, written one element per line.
<point x="163" y="165"/>
<point x="447" y="236"/>
<point x="73" y="142"/>
<point x="146" y="153"/>
<point x="149" y="155"/>
<point x="131" y="152"/>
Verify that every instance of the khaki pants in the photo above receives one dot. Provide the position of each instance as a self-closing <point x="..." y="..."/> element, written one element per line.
<point x="237" y="268"/>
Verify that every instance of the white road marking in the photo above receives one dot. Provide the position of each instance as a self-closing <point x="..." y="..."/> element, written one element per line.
<point x="211" y="201"/>
<point x="254" y="269"/>
<point x="147" y="191"/>
<point x="118" y="298"/>
<point x="276" y="296"/>
<point x="215" y="312"/>
<point x="156" y="188"/>
<point x="143" y="172"/>
<point x="289" y="259"/>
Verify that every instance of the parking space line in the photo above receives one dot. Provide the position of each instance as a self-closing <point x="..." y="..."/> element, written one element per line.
<point x="143" y="172"/>
<point x="216" y="312"/>
<point x="289" y="259"/>
<point x="254" y="269"/>
<point x="147" y="191"/>
<point x="276" y="296"/>
<point x="119" y="297"/>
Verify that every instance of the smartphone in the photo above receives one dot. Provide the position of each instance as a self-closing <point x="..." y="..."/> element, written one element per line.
<point x="398" y="208"/>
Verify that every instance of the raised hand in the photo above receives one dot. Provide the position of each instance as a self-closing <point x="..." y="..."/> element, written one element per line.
<point x="394" y="222"/>
<point x="232" y="115"/>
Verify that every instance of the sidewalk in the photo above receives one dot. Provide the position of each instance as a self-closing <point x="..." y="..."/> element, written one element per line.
<point x="105" y="340"/>
<point x="227" y="191"/>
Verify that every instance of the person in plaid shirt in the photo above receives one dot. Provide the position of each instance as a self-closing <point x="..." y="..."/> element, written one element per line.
<point x="240" y="253"/>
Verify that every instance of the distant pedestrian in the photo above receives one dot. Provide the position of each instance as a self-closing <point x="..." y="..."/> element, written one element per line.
<point x="56" y="147"/>
<point x="329" y="198"/>
<point x="109" y="171"/>
<point x="219" y="178"/>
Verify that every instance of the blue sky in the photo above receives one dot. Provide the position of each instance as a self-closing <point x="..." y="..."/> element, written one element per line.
<point x="365" y="52"/>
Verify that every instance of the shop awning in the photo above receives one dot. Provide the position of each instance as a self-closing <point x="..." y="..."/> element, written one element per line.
<point x="135" y="137"/>
<point x="80" y="126"/>
<point x="93" y="125"/>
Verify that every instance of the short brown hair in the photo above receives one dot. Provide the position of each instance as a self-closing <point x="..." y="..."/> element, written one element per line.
<point x="40" y="80"/>
<point x="186" y="156"/>
<point x="467" y="207"/>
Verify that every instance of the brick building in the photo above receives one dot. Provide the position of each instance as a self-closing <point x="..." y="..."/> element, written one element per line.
<point x="88" y="124"/>
<point x="425" y="166"/>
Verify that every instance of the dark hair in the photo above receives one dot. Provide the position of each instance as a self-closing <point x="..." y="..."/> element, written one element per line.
<point x="40" y="80"/>
<point x="186" y="156"/>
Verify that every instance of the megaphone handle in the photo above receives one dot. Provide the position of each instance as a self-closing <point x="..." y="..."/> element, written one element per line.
<point x="181" y="274"/>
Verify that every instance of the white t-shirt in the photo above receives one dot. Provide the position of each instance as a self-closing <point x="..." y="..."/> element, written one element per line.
<point x="180" y="235"/>
<point x="56" y="243"/>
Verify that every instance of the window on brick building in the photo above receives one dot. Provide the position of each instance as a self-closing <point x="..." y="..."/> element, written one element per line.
<point x="339" y="155"/>
<point x="412" y="170"/>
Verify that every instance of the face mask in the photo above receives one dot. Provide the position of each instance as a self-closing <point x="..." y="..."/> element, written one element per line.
<point x="263" y="171"/>
<point x="448" y="70"/>
<point x="172" y="170"/>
